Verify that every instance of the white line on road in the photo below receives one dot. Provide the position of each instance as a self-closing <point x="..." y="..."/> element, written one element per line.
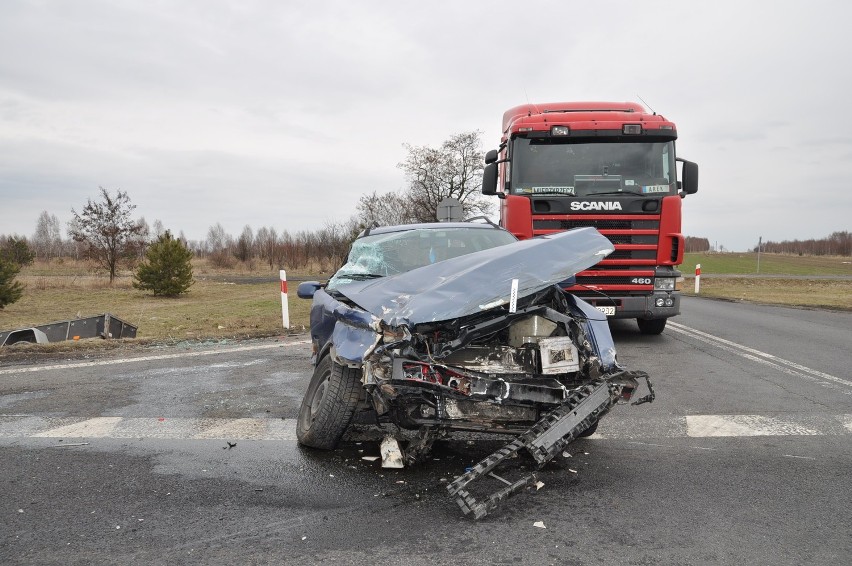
<point x="781" y="364"/>
<point x="30" y="369"/>
<point x="690" y="426"/>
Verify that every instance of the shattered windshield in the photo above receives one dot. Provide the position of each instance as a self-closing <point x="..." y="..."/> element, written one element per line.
<point x="542" y="166"/>
<point x="381" y="255"/>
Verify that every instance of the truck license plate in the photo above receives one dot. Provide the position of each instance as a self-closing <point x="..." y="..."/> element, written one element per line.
<point x="609" y="311"/>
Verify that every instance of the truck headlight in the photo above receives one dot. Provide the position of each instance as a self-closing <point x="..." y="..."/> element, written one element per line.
<point x="664" y="284"/>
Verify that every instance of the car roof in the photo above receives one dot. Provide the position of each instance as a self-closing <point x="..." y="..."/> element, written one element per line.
<point x="430" y="226"/>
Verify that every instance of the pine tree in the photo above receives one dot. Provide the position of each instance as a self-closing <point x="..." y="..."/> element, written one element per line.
<point x="10" y="290"/>
<point x="167" y="270"/>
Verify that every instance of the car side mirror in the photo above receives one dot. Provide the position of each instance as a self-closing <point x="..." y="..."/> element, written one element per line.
<point x="307" y="289"/>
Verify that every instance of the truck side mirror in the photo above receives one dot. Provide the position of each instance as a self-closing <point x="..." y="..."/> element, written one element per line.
<point x="689" y="175"/>
<point x="491" y="156"/>
<point x="489" y="179"/>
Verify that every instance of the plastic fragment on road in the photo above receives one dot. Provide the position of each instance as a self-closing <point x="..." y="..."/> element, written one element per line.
<point x="539" y="524"/>
<point x="572" y="471"/>
<point x="391" y="453"/>
<point x="370" y="458"/>
<point x="539" y="485"/>
<point x="566" y="454"/>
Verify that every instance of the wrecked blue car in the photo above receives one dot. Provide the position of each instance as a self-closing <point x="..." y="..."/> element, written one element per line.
<point x="461" y="327"/>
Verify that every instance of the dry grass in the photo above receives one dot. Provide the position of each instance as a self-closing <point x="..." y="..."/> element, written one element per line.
<point x="822" y="293"/>
<point x="210" y="309"/>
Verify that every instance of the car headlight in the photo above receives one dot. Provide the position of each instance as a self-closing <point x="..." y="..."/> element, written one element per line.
<point x="664" y="284"/>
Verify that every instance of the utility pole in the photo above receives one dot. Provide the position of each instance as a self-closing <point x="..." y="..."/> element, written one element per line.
<point x="759" y="242"/>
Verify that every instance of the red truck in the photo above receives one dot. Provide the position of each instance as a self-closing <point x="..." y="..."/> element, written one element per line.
<point x="611" y="166"/>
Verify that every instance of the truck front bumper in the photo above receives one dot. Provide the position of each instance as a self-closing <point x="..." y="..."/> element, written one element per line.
<point x="659" y="304"/>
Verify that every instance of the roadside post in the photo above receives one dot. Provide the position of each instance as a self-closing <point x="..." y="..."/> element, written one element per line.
<point x="285" y="307"/>
<point x="697" y="277"/>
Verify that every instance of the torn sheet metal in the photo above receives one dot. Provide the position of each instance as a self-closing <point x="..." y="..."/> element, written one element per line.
<point x="478" y="281"/>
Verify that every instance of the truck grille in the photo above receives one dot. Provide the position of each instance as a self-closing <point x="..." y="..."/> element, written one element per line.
<point x="599" y="224"/>
<point x="606" y="280"/>
<point x="633" y="254"/>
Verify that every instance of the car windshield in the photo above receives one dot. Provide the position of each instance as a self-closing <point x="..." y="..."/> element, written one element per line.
<point x="585" y="169"/>
<point x="380" y="255"/>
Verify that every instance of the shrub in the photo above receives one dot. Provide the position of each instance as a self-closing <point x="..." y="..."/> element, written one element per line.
<point x="10" y="290"/>
<point x="167" y="269"/>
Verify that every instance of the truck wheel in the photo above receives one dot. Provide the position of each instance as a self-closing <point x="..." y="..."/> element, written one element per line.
<point x="652" y="326"/>
<point x="330" y="401"/>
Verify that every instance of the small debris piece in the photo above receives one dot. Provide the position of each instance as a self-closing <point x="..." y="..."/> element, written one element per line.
<point x="495" y="476"/>
<point x="566" y="454"/>
<point x="72" y="444"/>
<point x="370" y="458"/>
<point x="21" y="511"/>
<point x="539" y="524"/>
<point x="391" y="454"/>
<point x="539" y="485"/>
<point x="231" y="444"/>
<point x="304" y="537"/>
<point x="572" y="471"/>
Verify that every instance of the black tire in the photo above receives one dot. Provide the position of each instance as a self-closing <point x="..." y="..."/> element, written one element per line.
<point x="330" y="401"/>
<point x="589" y="431"/>
<point x="652" y="326"/>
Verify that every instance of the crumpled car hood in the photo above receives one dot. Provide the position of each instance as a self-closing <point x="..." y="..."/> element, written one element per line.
<point x="479" y="281"/>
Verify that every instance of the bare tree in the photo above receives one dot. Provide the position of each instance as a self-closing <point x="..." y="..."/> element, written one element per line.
<point x="48" y="237"/>
<point x="218" y="244"/>
<point x="157" y="230"/>
<point x="244" y="245"/>
<point x="452" y="170"/>
<point x="106" y="229"/>
<point x="385" y="209"/>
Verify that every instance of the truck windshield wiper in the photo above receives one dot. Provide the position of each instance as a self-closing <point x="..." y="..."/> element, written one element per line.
<point x="613" y="193"/>
<point x="554" y="191"/>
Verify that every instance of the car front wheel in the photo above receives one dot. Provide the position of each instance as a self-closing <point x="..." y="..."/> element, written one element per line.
<point x="329" y="403"/>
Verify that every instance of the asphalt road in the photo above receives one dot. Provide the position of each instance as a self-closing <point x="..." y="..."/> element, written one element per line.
<point x="189" y="456"/>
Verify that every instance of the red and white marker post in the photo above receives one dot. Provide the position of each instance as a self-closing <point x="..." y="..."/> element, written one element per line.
<point x="285" y="307"/>
<point x="697" y="277"/>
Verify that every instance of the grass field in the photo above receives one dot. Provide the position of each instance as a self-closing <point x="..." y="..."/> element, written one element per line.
<point x="770" y="264"/>
<point x="217" y="309"/>
<point x="211" y="308"/>
<point x="816" y="293"/>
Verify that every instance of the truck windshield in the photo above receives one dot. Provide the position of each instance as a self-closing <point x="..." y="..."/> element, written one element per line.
<point x="583" y="169"/>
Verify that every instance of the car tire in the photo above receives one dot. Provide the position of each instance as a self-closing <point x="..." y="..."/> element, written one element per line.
<point x="652" y="326"/>
<point x="589" y="431"/>
<point x="328" y="405"/>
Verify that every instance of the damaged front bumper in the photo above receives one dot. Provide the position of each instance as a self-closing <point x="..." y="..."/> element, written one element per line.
<point x="548" y="437"/>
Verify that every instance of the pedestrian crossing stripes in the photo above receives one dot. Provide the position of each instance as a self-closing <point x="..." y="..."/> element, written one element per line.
<point x="691" y="426"/>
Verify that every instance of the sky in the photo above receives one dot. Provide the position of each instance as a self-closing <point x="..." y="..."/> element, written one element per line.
<point x="283" y="113"/>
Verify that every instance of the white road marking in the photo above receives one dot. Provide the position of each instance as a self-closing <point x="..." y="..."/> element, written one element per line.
<point x="701" y="426"/>
<point x="692" y="426"/>
<point x="786" y="366"/>
<point x="99" y="427"/>
<point x="71" y="365"/>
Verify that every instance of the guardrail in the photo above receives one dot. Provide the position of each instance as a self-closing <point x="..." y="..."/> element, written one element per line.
<point x="102" y="326"/>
